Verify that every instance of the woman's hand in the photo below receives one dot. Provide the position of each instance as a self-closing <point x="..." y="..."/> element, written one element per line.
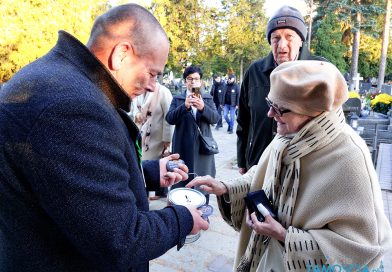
<point x="269" y="227"/>
<point x="209" y="185"/>
<point x="170" y="178"/>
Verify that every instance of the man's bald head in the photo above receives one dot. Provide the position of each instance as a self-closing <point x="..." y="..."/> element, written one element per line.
<point x="126" y="22"/>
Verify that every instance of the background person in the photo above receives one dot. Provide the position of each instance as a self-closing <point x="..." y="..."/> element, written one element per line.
<point x="187" y="112"/>
<point x="231" y="97"/>
<point x="286" y="33"/>
<point x="72" y="189"/>
<point x="217" y="92"/>
<point x="149" y="111"/>
<point x="318" y="174"/>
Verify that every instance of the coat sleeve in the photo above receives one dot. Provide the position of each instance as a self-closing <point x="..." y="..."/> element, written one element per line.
<point x="243" y="121"/>
<point x="176" y="111"/>
<point x="87" y="186"/>
<point x="209" y="113"/>
<point x="237" y="94"/>
<point x="167" y="129"/>
<point x="212" y="89"/>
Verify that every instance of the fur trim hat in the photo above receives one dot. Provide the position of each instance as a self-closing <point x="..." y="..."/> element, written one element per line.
<point x="287" y="17"/>
<point x="308" y="87"/>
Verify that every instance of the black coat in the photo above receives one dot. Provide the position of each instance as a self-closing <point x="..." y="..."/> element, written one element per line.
<point x="255" y="129"/>
<point x="186" y="136"/>
<point x="72" y="195"/>
<point x="218" y="92"/>
<point x="234" y="90"/>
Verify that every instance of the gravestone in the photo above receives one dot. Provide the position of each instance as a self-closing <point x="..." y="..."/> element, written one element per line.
<point x="352" y="105"/>
<point x="386" y="88"/>
<point x="365" y="87"/>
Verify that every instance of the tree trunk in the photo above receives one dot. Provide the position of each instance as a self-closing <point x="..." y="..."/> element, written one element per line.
<point x="384" y="47"/>
<point x="310" y="23"/>
<point x="355" y="47"/>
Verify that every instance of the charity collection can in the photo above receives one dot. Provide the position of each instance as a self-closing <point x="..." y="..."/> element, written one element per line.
<point x="187" y="196"/>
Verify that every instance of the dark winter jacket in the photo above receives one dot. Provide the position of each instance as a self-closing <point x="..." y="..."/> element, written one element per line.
<point x="217" y="92"/>
<point x="186" y="136"/>
<point x="234" y="90"/>
<point x="255" y="128"/>
<point x="72" y="195"/>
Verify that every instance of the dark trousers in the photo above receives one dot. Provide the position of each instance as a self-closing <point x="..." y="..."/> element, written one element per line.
<point x="219" y="109"/>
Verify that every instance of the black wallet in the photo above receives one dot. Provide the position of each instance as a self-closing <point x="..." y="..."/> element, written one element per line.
<point x="252" y="199"/>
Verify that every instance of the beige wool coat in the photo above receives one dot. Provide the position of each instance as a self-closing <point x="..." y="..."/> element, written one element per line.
<point x="161" y="131"/>
<point x="338" y="217"/>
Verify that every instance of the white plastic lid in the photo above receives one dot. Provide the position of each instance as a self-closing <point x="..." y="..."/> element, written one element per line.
<point x="186" y="196"/>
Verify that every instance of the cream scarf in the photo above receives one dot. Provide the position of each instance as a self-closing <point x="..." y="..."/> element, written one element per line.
<point x="147" y="108"/>
<point x="286" y="154"/>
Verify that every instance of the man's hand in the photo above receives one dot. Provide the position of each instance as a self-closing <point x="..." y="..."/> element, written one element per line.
<point x="198" y="103"/>
<point x="170" y="178"/>
<point x="198" y="222"/>
<point x="209" y="185"/>
<point x="242" y="170"/>
<point x="188" y="101"/>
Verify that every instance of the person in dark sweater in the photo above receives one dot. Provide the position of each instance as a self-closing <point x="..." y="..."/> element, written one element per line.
<point x="286" y="32"/>
<point x="72" y="183"/>
<point x="232" y="94"/>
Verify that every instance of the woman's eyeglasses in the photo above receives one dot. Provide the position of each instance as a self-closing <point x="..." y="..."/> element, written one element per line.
<point x="276" y="109"/>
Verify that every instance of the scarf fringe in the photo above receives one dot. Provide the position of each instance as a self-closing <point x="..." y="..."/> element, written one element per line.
<point x="244" y="265"/>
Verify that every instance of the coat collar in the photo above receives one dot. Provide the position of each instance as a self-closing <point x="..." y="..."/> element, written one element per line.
<point x="77" y="53"/>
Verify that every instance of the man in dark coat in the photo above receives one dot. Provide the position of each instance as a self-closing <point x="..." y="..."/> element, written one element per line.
<point x="286" y="32"/>
<point x="72" y="188"/>
<point x="217" y="92"/>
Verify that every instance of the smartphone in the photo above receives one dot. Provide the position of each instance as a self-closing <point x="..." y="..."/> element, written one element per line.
<point x="196" y="91"/>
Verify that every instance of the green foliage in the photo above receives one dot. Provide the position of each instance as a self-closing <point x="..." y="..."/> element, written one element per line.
<point x="28" y="29"/>
<point x="217" y="39"/>
<point x="328" y="42"/>
<point x="373" y="13"/>
<point x="245" y="33"/>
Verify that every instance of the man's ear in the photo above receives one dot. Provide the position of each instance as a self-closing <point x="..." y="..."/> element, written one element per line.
<point x="120" y="52"/>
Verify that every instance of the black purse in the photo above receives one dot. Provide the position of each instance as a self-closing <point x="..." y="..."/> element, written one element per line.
<point x="208" y="145"/>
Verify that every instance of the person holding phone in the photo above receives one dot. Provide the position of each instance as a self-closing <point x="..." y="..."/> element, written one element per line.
<point x="319" y="176"/>
<point x="188" y="111"/>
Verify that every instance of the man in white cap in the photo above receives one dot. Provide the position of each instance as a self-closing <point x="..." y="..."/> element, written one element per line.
<point x="286" y="32"/>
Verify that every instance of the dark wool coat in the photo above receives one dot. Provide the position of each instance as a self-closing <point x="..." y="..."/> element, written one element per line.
<point x="72" y="195"/>
<point x="255" y="129"/>
<point x="186" y="136"/>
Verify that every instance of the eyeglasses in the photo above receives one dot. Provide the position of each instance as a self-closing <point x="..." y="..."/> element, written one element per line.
<point x="276" y="109"/>
<point x="190" y="79"/>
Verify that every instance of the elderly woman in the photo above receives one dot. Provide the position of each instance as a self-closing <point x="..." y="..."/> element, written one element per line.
<point x="320" y="178"/>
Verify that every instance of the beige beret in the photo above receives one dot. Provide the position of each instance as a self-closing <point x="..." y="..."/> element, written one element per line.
<point x="308" y="87"/>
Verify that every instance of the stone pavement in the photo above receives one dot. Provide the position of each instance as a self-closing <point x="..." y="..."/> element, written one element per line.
<point x="215" y="249"/>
